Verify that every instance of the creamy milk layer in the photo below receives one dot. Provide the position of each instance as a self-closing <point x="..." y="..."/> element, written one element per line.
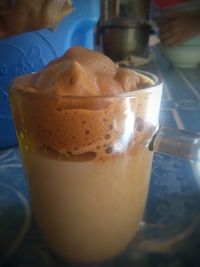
<point x="89" y="211"/>
<point x="84" y="147"/>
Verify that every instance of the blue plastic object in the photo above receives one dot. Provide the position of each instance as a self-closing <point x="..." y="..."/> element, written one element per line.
<point x="31" y="51"/>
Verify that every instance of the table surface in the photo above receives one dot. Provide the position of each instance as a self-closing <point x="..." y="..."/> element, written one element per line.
<point x="174" y="198"/>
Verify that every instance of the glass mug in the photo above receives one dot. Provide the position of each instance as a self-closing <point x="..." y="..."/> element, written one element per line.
<point x="88" y="162"/>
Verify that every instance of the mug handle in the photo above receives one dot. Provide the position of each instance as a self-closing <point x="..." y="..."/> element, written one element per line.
<point x="175" y="142"/>
<point x="162" y="238"/>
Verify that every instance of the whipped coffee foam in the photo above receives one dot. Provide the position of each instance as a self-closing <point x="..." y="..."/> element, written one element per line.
<point x="83" y="72"/>
<point x="64" y="123"/>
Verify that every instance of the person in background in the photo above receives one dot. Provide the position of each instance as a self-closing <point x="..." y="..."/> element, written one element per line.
<point x="19" y="16"/>
<point x="177" y="27"/>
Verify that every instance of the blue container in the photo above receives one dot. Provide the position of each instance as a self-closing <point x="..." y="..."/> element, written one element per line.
<point x="31" y="51"/>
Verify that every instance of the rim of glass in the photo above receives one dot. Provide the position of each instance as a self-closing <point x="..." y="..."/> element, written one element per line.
<point x="157" y="86"/>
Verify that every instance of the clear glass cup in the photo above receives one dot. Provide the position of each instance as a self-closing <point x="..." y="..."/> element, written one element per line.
<point x="88" y="163"/>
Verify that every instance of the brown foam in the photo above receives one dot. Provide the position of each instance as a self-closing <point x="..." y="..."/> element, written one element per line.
<point x="94" y="61"/>
<point x="83" y="72"/>
<point x="82" y="128"/>
<point x="80" y="133"/>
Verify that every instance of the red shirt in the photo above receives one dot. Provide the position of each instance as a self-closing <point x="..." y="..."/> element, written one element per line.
<point x="168" y="3"/>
